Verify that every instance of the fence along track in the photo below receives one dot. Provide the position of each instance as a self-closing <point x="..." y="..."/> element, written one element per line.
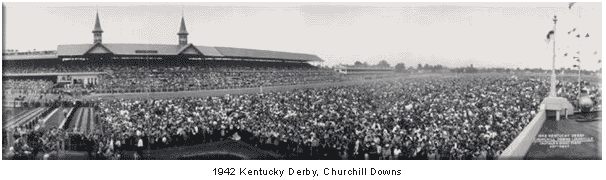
<point x="25" y="118"/>
<point x="84" y="121"/>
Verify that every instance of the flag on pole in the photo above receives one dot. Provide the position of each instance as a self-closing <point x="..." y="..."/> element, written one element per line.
<point x="549" y="36"/>
<point x="571" y="4"/>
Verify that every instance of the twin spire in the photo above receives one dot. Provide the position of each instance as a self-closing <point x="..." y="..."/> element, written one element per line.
<point x="182" y="29"/>
<point x="182" y="32"/>
<point x="97" y="31"/>
<point x="97" y="24"/>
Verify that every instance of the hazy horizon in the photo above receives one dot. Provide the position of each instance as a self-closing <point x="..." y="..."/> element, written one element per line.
<point x="508" y="35"/>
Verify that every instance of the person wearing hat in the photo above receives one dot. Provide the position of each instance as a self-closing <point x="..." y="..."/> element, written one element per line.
<point x="136" y="156"/>
<point x="11" y="152"/>
<point x="397" y="153"/>
<point x="387" y="152"/>
<point x="432" y="154"/>
<point x="140" y="146"/>
<point x="46" y="156"/>
<point x="118" y="145"/>
<point x="372" y="151"/>
<point x="357" y="149"/>
<point x="117" y="157"/>
<point x="343" y="153"/>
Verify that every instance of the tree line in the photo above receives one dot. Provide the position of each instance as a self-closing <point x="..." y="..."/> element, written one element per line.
<point x="402" y="68"/>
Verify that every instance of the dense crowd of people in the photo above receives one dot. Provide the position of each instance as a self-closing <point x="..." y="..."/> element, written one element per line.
<point x="26" y="87"/>
<point x="29" y="142"/>
<point x="568" y="87"/>
<point x="467" y="117"/>
<point x="53" y="68"/>
<point x="192" y="78"/>
<point x="426" y="118"/>
<point x="154" y="77"/>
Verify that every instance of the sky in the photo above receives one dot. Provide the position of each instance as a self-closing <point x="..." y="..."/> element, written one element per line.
<point x="508" y="35"/>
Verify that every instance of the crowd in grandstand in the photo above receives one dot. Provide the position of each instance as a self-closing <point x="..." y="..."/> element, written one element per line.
<point x="26" y="87"/>
<point x="154" y="78"/>
<point x="54" y="68"/>
<point x="178" y="78"/>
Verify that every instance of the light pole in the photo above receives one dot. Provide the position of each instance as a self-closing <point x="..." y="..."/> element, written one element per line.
<point x="552" y="92"/>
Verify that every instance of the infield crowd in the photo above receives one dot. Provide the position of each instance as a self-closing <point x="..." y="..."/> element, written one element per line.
<point x="471" y="117"/>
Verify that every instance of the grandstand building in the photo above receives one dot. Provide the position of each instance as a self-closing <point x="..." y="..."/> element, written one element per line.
<point x="100" y="52"/>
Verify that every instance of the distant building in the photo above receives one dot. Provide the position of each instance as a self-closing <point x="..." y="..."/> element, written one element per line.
<point x="347" y="69"/>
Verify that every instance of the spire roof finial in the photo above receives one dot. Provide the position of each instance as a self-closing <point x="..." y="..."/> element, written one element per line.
<point x="97" y="23"/>
<point x="182" y="29"/>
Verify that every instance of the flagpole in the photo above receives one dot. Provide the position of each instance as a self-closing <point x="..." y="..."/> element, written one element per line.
<point x="552" y="92"/>
<point x="579" y="94"/>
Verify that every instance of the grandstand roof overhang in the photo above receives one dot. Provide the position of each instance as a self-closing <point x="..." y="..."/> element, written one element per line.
<point x="189" y="50"/>
<point x="265" y="54"/>
<point x="29" y="57"/>
<point x="81" y="50"/>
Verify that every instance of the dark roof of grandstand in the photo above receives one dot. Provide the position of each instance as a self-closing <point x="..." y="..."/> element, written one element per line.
<point x="163" y="49"/>
<point x="130" y="49"/>
<point x="264" y="54"/>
